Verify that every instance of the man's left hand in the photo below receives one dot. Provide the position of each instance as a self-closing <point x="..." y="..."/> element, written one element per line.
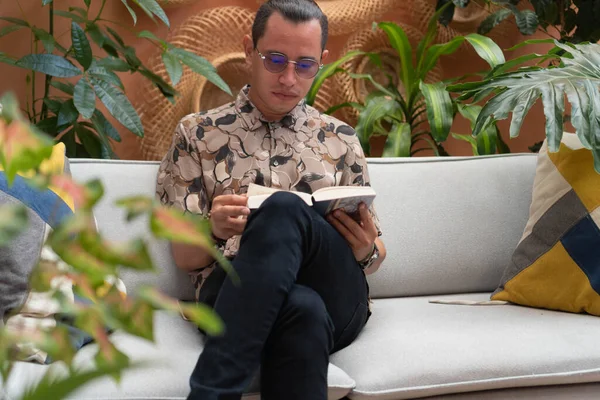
<point x="359" y="235"/>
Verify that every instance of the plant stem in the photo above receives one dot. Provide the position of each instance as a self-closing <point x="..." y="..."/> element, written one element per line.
<point x="44" y="113"/>
<point x="33" y="85"/>
<point x="100" y="12"/>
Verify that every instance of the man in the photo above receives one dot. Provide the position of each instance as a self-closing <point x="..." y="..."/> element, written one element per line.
<point x="303" y="292"/>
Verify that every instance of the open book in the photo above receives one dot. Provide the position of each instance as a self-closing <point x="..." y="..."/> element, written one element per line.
<point x="324" y="200"/>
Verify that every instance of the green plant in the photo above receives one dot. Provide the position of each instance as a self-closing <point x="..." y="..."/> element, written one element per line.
<point x="88" y="69"/>
<point x="398" y="115"/>
<point x="577" y="76"/>
<point x="92" y="261"/>
<point x="575" y="20"/>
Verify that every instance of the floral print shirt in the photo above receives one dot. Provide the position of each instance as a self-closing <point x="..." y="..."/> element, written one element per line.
<point x="222" y="151"/>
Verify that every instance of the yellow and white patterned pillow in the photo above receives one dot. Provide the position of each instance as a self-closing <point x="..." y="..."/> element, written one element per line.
<point x="557" y="262"/>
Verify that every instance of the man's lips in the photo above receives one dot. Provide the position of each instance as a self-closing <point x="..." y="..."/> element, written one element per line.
<point x="284" y="96"/>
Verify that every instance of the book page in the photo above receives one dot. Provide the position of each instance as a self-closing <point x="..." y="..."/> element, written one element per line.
<point x="340" y="192"/>
<point x="257" y="194"/>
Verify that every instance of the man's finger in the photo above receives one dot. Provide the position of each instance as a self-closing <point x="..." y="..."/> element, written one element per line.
<point x="344" y="231"/>
<point x="348" y="221"/>
<point x="367" y="219"/>
<point x="231" y="200"/>
<point x="233" y="211"/>
<point x="236" y="224"/>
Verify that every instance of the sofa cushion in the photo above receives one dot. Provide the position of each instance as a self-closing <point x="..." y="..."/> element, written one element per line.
<point x="413" y="348"/>
<point x="450" y="225"/>
<point x="166" y="374"/>
<point x="557" y="262"/>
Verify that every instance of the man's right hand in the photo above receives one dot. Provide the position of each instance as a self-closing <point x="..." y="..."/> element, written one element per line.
<point x="225" y="213"/>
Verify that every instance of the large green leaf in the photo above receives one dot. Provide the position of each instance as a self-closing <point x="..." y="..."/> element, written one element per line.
<point x="81" y="46"/>
<point x="440" y="112"/>
<point x="90" y="141"/>
<point x="434" y="52"/>
<point x="119" y="106"/>
<point x="399" y="141"/>
<point x="113" y="64"/>
<point x="430" y="34"/>
<point x="202" y="66"/>
<point x="13" y="220"/>
<point x="174" y="68"/>
<point x="399" y="41"/>
<point x="375" y="109"/>
<point x="152" y="8"/>
<point x="327" y="71"/>
<point x="578" y="78"/>
<point x="487" y="49"/>
<point x="84" y="98"/>
<point x="106" y="75"/>
<point x="49" y="64"/>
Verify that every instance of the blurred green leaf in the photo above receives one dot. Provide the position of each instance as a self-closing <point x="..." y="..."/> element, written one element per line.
<point x="399" y="141"/>
<point x="440" y="112"/>
<point x="116" y="36"/>
<point x="22" y="146"/>
<point x="84" y="98"/>
<point x="327" y="71"/>
<point x="81" y="45"/>
<point x="48" y="126"/>
<point x="9" y="29"/>
<point x="15" y="21"/>
<point x="119" y="106"/>
<point x="53" y="105"/>
<point x="167" y="90"/>
<point x="81" y="11"/>
<point x="13" y="220"/>
<point x="467" y="138"/>
<point x="70" y="15"/>
<point x="90" y="141"/>
<point x="527" y="21"/>
<point x="200" y="314"/>
<point x="492" y="20"/>
<point x="49" y="64"/>
<point x="135" y="206"/>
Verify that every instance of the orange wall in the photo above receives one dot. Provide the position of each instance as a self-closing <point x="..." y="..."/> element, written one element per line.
<point x="18" y="44"/>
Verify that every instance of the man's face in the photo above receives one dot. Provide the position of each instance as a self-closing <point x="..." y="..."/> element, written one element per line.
<point x="275" y="94"/>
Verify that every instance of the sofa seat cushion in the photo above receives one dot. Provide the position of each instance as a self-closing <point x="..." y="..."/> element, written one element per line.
<point x="166" y="373"/>
<point x="413" y="348"/>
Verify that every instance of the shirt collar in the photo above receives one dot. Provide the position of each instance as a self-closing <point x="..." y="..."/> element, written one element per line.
<point x="254" y="119"/>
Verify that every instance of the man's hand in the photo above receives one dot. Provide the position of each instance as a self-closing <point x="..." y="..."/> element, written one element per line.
<point x="225" y="213"/>
<point x="359" y="235"/>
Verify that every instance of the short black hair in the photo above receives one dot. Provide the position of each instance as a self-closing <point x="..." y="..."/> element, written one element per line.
<point x="296" y="11"/>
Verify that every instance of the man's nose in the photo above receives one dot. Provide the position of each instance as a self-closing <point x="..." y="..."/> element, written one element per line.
<point x="288" y="75"/>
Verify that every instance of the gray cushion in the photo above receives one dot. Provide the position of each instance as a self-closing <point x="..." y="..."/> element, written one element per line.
<point x="412" y="348"/>
<point x="450" y="225"/>
<point x="584" y="391"/>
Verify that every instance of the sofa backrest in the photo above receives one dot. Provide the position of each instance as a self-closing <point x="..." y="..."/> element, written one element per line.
<point x="450" y="225"/>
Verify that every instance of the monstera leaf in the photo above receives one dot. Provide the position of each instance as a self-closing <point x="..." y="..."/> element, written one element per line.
<point x="577" y="77"/>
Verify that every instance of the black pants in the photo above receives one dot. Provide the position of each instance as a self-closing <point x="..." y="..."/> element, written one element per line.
<point x="302" y="297"/>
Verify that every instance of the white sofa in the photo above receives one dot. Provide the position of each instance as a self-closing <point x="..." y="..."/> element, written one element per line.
<point x="450" y="226"/>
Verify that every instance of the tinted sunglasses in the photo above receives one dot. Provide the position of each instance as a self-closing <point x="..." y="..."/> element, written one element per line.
<point x="277" y="62"/>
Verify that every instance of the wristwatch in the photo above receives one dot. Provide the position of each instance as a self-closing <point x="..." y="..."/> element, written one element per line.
<point x="370" y="259"/>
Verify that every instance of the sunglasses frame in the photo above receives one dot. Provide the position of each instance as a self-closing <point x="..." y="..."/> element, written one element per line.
<point x="288" y="61"/>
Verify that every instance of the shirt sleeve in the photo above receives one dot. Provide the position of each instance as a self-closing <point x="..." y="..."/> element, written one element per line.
<point x="179" y="182"/>
<point x="356" y="173"/>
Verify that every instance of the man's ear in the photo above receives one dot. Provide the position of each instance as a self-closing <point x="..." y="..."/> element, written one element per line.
<point x="324" y="56"/>
<point x="248" y="48"/>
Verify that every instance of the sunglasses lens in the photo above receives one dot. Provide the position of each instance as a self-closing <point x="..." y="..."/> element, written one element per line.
<point x="307" y="68"/>
<point x="275" y="62"/>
